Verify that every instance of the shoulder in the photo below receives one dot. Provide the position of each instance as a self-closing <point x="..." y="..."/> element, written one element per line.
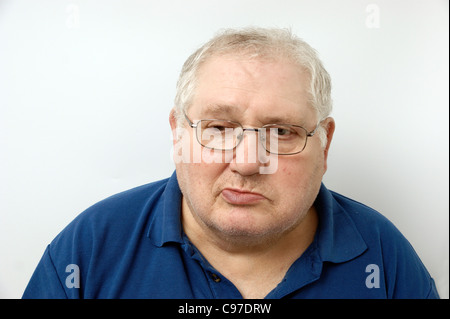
<point x="95" y="244"/>
<point x="111" y="221"/>
<point x="404" y="273"/>
<point x="375" y="228"/>
<point x="120" y="207"/>
<point x="132" y="200"/>
<point x="365" y="218"/>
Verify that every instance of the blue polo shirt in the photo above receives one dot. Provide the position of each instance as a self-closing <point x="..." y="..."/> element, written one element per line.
<point x="132" y="245"/>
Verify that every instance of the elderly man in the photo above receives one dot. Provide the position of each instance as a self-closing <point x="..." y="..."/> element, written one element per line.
<point x="246" y="214"/>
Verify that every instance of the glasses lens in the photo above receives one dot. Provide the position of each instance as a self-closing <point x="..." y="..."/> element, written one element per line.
<point x="284" y="139"/>
<point x="276" y="139"/>
<point x="219" y="134"/>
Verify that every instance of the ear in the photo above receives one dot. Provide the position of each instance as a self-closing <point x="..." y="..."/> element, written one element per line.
<point x="330" y="126"/>
<point x="172" y="119"/>
<point x="173" y="125"/>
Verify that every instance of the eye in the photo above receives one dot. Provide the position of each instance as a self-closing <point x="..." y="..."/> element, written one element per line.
<point x="220" y="125"/>
<point x="217" y="127"/>
<point x="281" y="131"/>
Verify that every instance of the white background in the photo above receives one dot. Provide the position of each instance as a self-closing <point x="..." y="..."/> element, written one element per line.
<point x="86" y="88"/>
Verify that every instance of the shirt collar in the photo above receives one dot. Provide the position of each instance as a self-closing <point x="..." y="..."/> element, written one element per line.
<point x="337" y="238"/>
<point x="165" y="223"/>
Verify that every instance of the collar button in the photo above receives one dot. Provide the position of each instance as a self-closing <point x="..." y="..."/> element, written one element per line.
<point x="216" y="278"/>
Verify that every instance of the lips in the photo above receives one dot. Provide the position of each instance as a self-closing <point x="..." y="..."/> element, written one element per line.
<point x="241" y="197"/>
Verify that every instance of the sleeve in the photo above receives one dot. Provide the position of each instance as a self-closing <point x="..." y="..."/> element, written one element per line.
<point x="433" y="294"/>
<point x="407" y="276"/>
<point x="45" y="282"/>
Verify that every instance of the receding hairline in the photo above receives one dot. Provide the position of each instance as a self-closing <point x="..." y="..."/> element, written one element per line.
<point x="253" y="43"/>
<point x="262" y="43"/>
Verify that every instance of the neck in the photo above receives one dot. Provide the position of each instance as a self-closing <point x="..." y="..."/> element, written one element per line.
<point x="245" y="261"/>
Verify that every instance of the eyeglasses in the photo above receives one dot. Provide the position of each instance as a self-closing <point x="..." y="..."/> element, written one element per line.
<point x="223" y="135"/>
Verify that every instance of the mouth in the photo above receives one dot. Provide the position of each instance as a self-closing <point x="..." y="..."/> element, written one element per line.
<point x="241" y="197"/>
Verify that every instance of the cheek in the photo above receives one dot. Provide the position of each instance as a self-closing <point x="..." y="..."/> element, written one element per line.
<point x="197" y="180"/>
<point x="295" y="176"/>
<point x="293" y="172"/>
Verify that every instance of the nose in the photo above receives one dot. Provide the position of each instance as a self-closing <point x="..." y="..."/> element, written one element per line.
<point x="245" y="157"/>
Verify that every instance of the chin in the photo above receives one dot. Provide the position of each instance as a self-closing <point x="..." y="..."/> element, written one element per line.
<point x="247" y="231"/>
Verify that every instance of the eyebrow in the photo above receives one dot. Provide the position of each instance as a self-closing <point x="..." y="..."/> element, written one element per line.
<point x="225" y="111"/>
<point x="281" y="120"/>
<point x="219" y="110"/>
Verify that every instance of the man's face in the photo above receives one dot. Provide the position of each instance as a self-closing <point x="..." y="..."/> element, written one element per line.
<point x="225" y="192"/>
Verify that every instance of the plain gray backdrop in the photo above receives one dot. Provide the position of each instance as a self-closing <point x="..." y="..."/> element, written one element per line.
<point x="86" y="87"/>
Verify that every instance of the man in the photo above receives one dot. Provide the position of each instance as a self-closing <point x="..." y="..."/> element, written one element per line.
<point x="246" y="214"/>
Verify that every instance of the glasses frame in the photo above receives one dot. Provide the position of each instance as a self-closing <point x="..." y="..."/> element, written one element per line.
<point x="195" y="126"/>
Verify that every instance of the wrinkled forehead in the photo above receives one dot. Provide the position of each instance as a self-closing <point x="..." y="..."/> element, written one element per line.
<point x="231" y="85"/>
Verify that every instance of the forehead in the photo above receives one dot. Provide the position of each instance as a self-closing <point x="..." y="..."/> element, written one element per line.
<point x="238" y="85"/>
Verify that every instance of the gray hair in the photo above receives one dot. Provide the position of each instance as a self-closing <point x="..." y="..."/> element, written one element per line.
<point x="263" y="43"/>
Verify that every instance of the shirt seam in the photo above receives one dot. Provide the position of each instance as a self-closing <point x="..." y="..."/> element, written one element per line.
<point x="56" y="272"/>
<point x="430" y="289"/>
